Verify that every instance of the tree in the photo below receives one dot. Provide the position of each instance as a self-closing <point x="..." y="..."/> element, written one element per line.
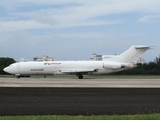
<point x="4" y="62"/>
<point x="150" y="68"/>
<point x="157" y="62"/>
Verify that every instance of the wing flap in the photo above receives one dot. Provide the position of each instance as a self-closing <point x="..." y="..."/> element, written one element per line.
<point x="78" y="70"/>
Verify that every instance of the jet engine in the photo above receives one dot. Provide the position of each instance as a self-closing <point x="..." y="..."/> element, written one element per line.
<point x="113" y="65"/>
<point x="130" y="66"/>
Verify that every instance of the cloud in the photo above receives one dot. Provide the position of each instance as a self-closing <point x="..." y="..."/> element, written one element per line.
<point x="74" y="29"/>
<point x="65" y="46"/>
<point x="21" y="25"/>
<point x="70" y="13"/>
<point x="150" y="18"/>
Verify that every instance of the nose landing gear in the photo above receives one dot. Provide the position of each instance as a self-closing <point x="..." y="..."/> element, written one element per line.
<point x="80" y="76"/>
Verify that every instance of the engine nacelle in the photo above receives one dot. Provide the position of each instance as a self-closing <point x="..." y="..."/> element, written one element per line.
<point x="116" y="65"/>
<point x="113" y="65"/>
<point x="130" y="66"/>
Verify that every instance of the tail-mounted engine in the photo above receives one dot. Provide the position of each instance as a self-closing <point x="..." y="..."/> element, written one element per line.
<point x="113" y="65"/>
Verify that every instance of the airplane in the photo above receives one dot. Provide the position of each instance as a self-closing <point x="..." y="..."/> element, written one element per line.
<point x="109" y="64"/>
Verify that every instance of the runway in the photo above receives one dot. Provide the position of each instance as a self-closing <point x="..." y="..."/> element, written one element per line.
<point x="80" y="83"/>
<point x="48" y="96"/>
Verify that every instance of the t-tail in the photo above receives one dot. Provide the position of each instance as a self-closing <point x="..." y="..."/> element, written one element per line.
<point x="133" y="53"/>
<point x="130" y="56"/>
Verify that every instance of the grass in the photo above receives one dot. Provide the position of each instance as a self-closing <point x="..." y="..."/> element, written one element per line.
<point x="104" y="76"/>
<point x="93" y="76"/>
<point x="123" y="77"/>
<point x="98" y="117"/>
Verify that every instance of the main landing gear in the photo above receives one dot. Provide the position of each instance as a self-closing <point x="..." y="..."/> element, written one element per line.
<point x="80" y="76"/>
<point x="17" y="76"/>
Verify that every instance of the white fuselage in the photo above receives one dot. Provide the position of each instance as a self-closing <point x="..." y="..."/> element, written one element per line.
<point x="109" y="64"/>
<point x="63" y="67"/>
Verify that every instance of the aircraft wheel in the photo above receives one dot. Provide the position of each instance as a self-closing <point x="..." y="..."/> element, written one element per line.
<point x="80" y="76"/>
<point x="18" y="77"/>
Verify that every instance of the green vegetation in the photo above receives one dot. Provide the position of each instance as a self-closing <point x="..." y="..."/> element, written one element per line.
<point x="4" y="62"/>
<point x="151" y="68"/>
<point x="91" y="77"/>
<point x="98" y="117"/>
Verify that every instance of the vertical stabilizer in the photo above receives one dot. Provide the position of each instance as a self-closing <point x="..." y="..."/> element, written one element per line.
<point x="129" y="56"/>
<point x="133" y="53"/>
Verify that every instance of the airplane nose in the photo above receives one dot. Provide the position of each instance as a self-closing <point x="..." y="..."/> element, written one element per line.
<point x="9" y="69"/>
<point x="5" y="69"/>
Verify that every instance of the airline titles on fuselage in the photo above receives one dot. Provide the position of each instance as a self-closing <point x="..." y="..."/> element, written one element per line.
<point x="54" y="63"/>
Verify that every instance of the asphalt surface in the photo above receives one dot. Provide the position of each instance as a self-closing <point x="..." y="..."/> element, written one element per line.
<point x="79" y="83"/>
<point x="78" y="101"/>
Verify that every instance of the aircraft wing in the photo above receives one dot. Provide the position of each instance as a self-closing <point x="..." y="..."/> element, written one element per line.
<point x="78" y="70"/>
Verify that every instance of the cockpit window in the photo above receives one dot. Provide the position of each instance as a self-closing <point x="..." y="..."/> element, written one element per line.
<point x="10" y="65"/>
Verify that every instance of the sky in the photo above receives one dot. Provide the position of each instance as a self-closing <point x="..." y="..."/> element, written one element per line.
<point x="75" y="29"/>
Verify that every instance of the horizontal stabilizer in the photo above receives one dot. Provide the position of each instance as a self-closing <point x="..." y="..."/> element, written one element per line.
<point x="144" y="47"/>
<point x="129" y="56"/>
